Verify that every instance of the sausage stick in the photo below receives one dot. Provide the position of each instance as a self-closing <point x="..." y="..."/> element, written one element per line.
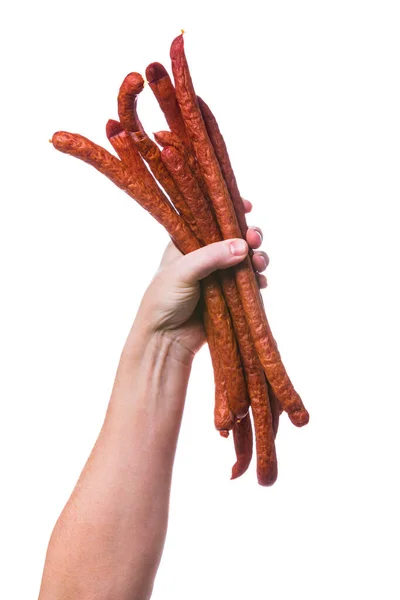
<point x="265" y="344"/>
<point x="223" y="418"/>
<point x="276" y="409"/>
<point x="164" y="91"/>
<point x="267" y="466"/>
<point x="149" y="197"/>
<point x="132" y="85"/>
<point x="156" y="203"/>
<point x="243" y="440"/>
<point x="224" y="161"/>
<point x="222" y="155"/>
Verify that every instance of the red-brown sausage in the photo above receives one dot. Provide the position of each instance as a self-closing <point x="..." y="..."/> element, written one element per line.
<point x="164" y="91"/>
<point x="222" y="155"/>
<point x="243" y="439"/>
<point x="223" y="418"/>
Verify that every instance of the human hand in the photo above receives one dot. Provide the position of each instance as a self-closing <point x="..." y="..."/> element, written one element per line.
<point x="169" y="304"/>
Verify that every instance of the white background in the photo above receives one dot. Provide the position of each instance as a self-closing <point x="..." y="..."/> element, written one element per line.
<point x="308" y="97"/>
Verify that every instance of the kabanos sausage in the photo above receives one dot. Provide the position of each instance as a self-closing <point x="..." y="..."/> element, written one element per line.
<point x="164" y="91"/>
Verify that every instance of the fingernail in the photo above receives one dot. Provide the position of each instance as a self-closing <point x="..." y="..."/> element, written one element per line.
<point x="238" y="247"/>
<point x="264" y="262"/>
<point x="260" y="239"/>
<point x="256" y="230"/>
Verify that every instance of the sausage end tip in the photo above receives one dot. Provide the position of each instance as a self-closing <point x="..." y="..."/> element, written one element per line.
<point x="176" y="47"/>
<point x="113" y="128"/>
<point x="268" y="479"/>
<point x="299" y="417"/>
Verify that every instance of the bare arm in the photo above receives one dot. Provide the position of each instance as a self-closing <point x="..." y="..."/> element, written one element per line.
<point x="108" y="541"/>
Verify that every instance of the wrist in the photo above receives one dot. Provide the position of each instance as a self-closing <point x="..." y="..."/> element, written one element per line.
<point x="151" y="383"/>
<point x="146" y="344"/>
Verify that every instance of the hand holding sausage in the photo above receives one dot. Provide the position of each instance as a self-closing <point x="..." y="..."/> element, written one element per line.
<point x="169" y="303"/>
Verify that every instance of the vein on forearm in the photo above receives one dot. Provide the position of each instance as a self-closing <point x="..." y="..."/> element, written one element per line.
<point x="150" y="387"/>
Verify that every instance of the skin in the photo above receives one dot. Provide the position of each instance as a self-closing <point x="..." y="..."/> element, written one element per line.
<point x="108" y="541"/>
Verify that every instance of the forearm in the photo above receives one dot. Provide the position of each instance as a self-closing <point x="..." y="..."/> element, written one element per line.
<point x="108" y="540"/>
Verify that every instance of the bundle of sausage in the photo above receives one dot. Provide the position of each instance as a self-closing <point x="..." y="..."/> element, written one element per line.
<point x="198" y="202"/>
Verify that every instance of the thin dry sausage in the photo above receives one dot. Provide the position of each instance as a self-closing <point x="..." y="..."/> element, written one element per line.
<point x="243" y="440"/>
<point x="222" y="155"/>
<point x="223" y="418"/>
<point x="164" y="91"/>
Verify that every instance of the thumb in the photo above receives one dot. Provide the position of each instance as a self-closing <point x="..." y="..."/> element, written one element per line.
<point x="220" y="255"/>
